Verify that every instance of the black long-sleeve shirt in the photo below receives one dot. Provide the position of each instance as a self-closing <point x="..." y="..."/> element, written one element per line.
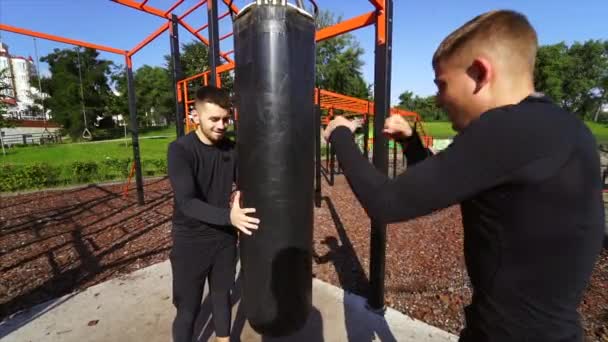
<point x="202" y="177"/>
<point x="527" y="177"/>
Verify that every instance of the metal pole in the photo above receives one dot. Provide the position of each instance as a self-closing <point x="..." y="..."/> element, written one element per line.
<point x="366" y="135"/>
<point x="332" y="164"/>
<point x="382" y="92"/>
<point x="214" y="41"/>
<point x="134" y="132"/>
<point x="394" y="158"/>
<point x="2" y="143"/>
<point x="318" y="155"/>
<point x="177" y="74"/>
<point x="327" y="152"/>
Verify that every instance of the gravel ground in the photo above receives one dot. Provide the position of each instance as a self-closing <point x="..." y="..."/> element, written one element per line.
<point x="56" y="242"/>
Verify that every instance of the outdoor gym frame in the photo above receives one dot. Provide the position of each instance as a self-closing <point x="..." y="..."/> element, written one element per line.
<point x="381" y="17"/>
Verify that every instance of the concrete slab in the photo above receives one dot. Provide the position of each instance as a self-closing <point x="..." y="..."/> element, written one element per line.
<point x="138" y="307"/>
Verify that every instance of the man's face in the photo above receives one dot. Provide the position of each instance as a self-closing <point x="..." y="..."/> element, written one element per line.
<point x="457" y="93"/>
<point x="212" y="119"/>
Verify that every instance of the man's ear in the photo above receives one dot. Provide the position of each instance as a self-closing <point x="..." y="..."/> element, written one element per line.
<point x="195" y="118"/>
<point x="481" y="72"/>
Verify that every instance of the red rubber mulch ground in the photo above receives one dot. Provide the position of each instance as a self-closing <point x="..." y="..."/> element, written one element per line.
<point x="56" y="242"/>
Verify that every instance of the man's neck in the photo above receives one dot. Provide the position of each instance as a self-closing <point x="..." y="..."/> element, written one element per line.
<point x="202" y="137"/>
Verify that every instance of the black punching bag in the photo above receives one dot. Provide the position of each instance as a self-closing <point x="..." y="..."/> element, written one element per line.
<point x="274" y="87"/>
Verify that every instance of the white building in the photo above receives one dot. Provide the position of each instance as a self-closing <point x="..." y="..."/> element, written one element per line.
<point x="16" y="73"/>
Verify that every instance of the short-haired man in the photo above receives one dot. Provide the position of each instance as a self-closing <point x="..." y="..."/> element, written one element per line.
<point x="202" y="170"/>
<point x="525" y="172"/>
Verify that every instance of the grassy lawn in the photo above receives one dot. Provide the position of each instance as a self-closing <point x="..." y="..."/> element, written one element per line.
<point x="439" y="130"/>
<point x="156" y="148"/>
<point x="600" y="131"/>
<point x="153" y="148"/>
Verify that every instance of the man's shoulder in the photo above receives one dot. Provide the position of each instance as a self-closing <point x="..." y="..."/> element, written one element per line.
<point x="181" y="144"/>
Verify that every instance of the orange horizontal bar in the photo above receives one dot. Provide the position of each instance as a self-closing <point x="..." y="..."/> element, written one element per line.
<point x="150" y="38"/>
<point x="346" y="26"/>
<point x="327" y="92"/>
<point x="141" y="7"/>
<point x="202" y="28"/>
<point x="220" y="69"/>
<point x="191" y="9"/>
<point x="226" y="36"/>
<point x="379" y="4"/>
<point x="224" y="15"/>
<point x="177" y="3"/>
<point x="60" y="39"/>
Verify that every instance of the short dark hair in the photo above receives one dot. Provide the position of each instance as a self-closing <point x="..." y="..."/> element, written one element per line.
<point x="502" y="31"/>
<point x="215" y="95"/>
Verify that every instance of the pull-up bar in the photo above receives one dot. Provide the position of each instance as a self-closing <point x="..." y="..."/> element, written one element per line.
<point x="59" y="39"/>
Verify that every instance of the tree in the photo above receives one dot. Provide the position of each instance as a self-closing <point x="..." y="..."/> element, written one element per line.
<point x="194" y="59"/>
<point x="426" y="107"/>
<point x="574" y="76"/>
<point x="64" y="88"/>
<point x="4" y="86"/>
<point x="338" y="62"/>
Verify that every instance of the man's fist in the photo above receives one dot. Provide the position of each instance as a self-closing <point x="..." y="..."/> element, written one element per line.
<point x="397" y="127"/>
<point x="340" y="121"/>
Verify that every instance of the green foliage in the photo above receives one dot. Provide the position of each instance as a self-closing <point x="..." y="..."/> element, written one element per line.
<point x="63" y="88"/>
<point x="574" y="76"/>
<point x="339" y="62"/>
<point x="84" y="171"/>
<point x="426" y="107"/>
<point x="38" y="175"/>
<point x="194" y="59"/>
<point x="4" y="84"/>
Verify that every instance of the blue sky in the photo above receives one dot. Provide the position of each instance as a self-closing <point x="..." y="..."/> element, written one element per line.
<point x="418" y="28"/>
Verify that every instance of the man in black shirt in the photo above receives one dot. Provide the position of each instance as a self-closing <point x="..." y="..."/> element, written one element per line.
<point x="202" y="170"/>
<point x="525" y="172"/>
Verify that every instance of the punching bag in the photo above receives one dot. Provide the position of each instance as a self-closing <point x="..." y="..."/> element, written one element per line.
<point x="274" y="87"/>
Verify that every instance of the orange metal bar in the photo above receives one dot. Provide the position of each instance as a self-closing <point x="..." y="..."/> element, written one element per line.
<point x="203" y="39"/>
<point x="379" y="4"/>
<point x="26" y="32"/>
<point x="327" y="92"/>
<point x="150" y="38"/>
<point x="381" y="24"/>
<point x="232" y="6"/>
<point x="206" y="79"/>
<point x="177" y="3"/>
<point x="191" y="9"/>
<point x="346" y="26"/>
<point x="226" y="36"/>
<point x="129" y="61"/>
<point x="141" y="7"/>
<point x="220" y="69"/>
<point x="202" y="28"/>
<point x="223" y="15"/>
<point x="125" y="189"/>
<point x="186" y="108"/>
<point x="179" y="92"/>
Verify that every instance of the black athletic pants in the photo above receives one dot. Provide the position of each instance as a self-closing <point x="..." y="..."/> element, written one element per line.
<point x="192" y="262"/>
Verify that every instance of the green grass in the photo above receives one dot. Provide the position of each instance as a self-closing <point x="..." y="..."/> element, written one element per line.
<point x="439" y="130"/>
<point x="156" y="148"/>
<point x="600" y="130"/>
<point x="60" y="154"/>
